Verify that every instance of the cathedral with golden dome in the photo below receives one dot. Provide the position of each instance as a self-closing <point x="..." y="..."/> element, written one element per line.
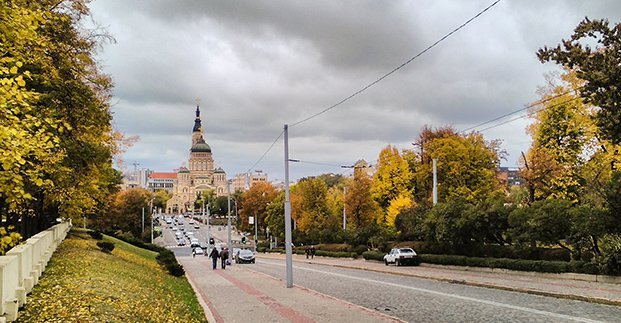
<point x="199" y="176"/>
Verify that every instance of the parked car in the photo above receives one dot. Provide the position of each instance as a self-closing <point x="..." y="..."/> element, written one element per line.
<point x="244" y="256"/>
<point x="181" y="242"/>
<point x="401" y="256"/>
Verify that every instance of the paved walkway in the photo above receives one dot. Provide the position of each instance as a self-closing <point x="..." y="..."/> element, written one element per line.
<point x="240" y="295"/>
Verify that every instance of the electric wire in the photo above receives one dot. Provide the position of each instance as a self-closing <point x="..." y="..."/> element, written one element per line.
<point x="522" y="109"/>
<point x="396" y="68"/>
<point x="265" y="153"/>
<point x="526" y="115"/>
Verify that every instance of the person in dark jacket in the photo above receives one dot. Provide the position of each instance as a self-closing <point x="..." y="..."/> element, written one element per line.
<point x="214" y="257"/>
<point x="225" y="256"/>
<point x="312" y="252"/>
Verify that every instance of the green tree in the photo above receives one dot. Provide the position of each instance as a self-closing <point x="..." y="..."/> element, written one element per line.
<point x="254" y="203"/>
<point x="599" y="66"/>
<point x="55" y="98"/>
<point x="563" y="130"/>
<point x="360" y="208"/>
<point x="391" y="180"/>
<point x="466" y="164"/>
<point x="545" y="221"/>
<point x="315" y="219"/>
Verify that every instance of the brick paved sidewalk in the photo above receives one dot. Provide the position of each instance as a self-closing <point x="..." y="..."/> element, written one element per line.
<point x="239" y="294"/>
<point x="533" y="283"/>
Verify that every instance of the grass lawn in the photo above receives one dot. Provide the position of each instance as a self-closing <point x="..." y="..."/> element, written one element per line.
<point x="84" y="284"/>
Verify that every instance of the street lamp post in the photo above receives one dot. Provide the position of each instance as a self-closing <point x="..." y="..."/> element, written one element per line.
<point x="208" y="238"/>
<point x="228" y="187"/>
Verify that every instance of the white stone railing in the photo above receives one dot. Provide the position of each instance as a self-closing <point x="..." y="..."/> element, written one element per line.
<point x="22" y="266"/>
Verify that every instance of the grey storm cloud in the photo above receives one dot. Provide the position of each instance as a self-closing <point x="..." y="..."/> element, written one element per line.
<point x="256" y="65"/>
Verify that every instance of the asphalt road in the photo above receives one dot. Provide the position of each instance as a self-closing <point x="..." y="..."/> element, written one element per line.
<point x="422" y="300"/>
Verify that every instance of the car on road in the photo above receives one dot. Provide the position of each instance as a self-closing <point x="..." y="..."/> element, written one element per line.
<point x="196" y="226"/>
<point x="198" y="251"/>
<point x="244" y="256"/>
<point x="401" y="256"/>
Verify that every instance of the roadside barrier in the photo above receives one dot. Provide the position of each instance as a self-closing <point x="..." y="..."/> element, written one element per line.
<point x="22" y="266"/>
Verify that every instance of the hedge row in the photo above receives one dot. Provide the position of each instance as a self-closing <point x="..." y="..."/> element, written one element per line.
<point x="487" y="250"/>
<point x="505" y="263"/>
<point x="165" y="257"/>
<point x="322" y="253"/>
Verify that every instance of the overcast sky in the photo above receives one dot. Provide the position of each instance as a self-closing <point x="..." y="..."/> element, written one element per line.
<point x="257" y="65"/>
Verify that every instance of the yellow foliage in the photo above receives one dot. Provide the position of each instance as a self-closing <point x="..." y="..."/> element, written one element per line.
<point x="398" y="204"/>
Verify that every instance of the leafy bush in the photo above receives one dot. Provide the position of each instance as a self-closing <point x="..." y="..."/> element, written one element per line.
<point x="106" y="246"/>
<point x="95" y="234"/>
<point x="359" y="249"/>
<point x="610" y="263"/>
<point x="336" y="254"/>
<point x="373" y="255"/>
<point x="167" y="259"/>
<point x="512" y="264"/>
<point x="8" y="239"/>
<point x="487" y="250"/>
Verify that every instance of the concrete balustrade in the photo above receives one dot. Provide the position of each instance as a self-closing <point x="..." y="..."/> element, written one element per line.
<point x="22" y="266"/>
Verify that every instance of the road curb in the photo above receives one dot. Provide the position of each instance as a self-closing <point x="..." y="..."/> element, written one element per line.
<point x="476" y="284"/>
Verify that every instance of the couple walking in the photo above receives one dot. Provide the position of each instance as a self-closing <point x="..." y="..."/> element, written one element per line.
<point x="214" y="255"/>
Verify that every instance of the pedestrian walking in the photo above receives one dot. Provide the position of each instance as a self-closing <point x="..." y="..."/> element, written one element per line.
<point x="312" y="252"/>
<point x="214" y="257"/>
<point x="193" y="253"/>
<point x="307" y="251"/>
<point x="225" y="257"/>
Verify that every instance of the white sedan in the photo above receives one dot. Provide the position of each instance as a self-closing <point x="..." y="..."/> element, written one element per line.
<point x="401" y="256"/>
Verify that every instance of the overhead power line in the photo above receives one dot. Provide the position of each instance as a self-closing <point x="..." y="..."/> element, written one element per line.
<point x="523" y="116"/>
<point x="521" y="109"/>
<point x="396" y="68"/>
<point x="266" y="151"/>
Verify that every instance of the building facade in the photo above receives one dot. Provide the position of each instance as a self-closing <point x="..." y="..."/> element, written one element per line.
<point x="243" y="182"/>
<point x="201" y="175"/>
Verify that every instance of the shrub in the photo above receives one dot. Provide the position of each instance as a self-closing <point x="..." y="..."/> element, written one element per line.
<point x="8" y="239"/>
<point x="106" y="246"/>
<point x="336" y="254"/>
<point x="359" y="249"/>
<point x="610" y="263"/>
<point x="373" y="255"/>
<point x="167" y="259"/>
<point x="95" y="234"/>
<point x="513" y="264"/>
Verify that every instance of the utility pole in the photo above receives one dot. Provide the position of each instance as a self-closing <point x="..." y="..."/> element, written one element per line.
<point x="228" y="187"/>
<point x="152" y="212"/>
<point x="435" y="182"/>
<point x="142" y="222"/>
<point x="344" y="214"/>
<point x="208" y="238"/>
<point x="288" y="240"/>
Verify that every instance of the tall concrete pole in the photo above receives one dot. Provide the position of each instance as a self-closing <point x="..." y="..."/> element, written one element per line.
<point x="142" y="223"/>
<point x="228" y="242"/>
<point x="208" y="237"/>
<point x="288" y="239"/>
<point x="435" y="182"/>
<point x="344" y="214"/>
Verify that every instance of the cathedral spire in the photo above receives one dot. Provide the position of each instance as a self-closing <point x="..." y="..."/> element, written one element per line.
<point x="197" y="121"/>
